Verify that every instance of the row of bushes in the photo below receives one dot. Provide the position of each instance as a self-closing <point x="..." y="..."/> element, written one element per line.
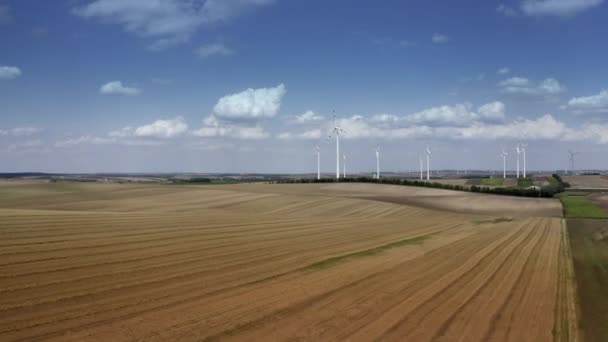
<point x="192" y="181"/>
<point x="548" y="191"/>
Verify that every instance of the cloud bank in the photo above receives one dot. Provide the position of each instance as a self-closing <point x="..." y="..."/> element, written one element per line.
<point x="458" y="115"/>
<point x="590" y="104"/>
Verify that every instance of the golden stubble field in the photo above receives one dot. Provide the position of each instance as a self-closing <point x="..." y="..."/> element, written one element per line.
<point x="357" y="262"/>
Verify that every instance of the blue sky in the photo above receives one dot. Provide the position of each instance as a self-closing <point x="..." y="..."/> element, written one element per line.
<point x="250" y="85"/>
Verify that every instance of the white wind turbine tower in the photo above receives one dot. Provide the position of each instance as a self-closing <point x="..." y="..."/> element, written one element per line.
<point x="518" y="150"/>
<point x="377" y="162"/>
<point x="318" y="161"/>
<point x="523" y="146"/>
<point x="428" y="163"/>
<point x="344" y="165"/>
<point x="336" y="130"/>
<point x="504" y="155"/>
<point x="420" y="162"/>
<point x="572" y="155"/>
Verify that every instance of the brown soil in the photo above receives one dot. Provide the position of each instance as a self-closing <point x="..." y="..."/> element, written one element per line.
<point x="587" y="182"/>
<point x="455" y="201"/>
<point x="599" y="198"/>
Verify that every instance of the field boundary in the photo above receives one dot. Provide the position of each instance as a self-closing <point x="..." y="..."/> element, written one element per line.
<point x="579" y="206"/>
<point x="545" y="192"/>
<point x="566" y="327"/>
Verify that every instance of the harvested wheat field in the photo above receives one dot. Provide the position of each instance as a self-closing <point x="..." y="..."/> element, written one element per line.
<point x="587" y="181"/>
<point x="359" y="262"/>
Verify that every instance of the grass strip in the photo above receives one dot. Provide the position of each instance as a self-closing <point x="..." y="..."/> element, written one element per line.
<point x="496" y="220"/>
<point x="590" y="260"/>
<point x="525" y="182"/>
<point x="581" y="207"/>
<point x="577" y="193"/>
<point x="368" y="252"/>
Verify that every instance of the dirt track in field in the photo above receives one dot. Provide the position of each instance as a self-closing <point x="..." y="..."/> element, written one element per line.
<point x="189" y="263"/>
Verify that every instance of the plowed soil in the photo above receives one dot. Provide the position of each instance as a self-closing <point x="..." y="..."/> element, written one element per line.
<point x="587" y="181"/>
<point x="357" y="262"/>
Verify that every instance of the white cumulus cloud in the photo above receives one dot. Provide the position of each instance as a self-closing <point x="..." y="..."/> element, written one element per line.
<point x="439" y="38"/>
<point x="307" y="117"/>
<point x="215" y="49"/>
<point x="9" y="72"/>
<point x="557" y="7"/>
<point x="251" y="103"/>
<point x="494" y="111"/>
<point x="163" y="128"/>
<point x="503" y="71"/>
<point x="117" y="88"/>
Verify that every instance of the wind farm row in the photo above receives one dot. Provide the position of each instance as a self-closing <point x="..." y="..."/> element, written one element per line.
<point x="337" y="130"/>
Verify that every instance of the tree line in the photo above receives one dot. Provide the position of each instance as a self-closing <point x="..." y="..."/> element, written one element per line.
<point x="547" y="191"/>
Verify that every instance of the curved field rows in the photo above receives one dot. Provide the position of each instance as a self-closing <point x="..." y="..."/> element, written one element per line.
<point x="430" y="198"/>
<point x="156" y="263"/>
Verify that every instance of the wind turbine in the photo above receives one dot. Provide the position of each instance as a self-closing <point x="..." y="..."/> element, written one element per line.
<point x="523" y="146"/>
<point x="318" y="162"/>
<point x="504" y="155"/>
<point x="420" y="162"/>
<point x="336" y="130"/>
<point x="344" y="165"/>
<point x="428" y="163"/>
<point x="377" y="162"/>
<point x="518" y="150"/>
<point x="572" y="155"/>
